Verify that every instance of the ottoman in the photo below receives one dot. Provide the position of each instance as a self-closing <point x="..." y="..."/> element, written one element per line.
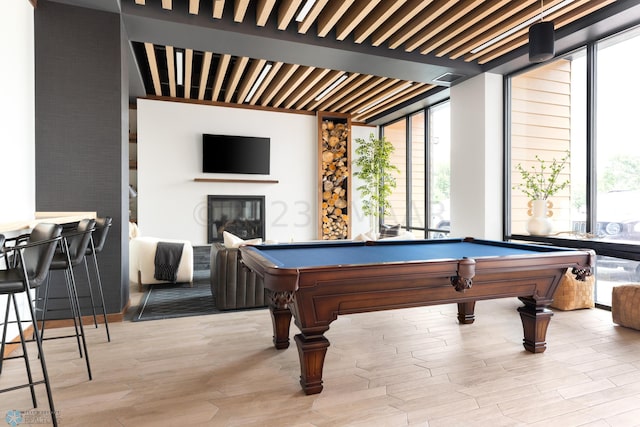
<point x="625" y="306"/>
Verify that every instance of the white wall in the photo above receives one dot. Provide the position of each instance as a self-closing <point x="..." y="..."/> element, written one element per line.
<point x="172" y="205"/>
<point x="17" y="112"/>
<point x="476" y="157"/>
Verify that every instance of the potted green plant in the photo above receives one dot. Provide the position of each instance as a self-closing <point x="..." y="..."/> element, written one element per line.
<point x="540" y="182"/>
<point x="373" y="158"/>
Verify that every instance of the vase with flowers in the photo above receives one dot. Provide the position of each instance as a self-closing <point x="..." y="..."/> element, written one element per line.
<point x="540" y="182"/>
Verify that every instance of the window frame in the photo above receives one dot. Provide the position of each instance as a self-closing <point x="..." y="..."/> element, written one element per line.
<point x="602" y="248"/>
<point x="408" y="166"/>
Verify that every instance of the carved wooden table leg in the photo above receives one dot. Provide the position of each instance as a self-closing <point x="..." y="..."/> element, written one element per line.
<point x="311" y="351"/>
<point x="466" y="312"/>
<point x="280" y="318"/>
<point x="535" y="320"/>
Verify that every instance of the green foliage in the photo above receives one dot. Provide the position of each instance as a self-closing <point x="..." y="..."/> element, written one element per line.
<point x="373" y="157"/>
<point x="541" y="182"/>
<point x="622" y="172"/>
<point x="441" y="188"/>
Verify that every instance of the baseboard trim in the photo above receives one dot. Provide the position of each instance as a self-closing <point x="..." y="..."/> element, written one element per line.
<point x="9" y="348"/>
<point x="62" y="323"/>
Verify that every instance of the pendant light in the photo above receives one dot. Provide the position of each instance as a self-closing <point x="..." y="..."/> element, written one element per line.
<point x="541" y="39"/>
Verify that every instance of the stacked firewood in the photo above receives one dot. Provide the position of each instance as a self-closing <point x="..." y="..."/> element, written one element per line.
<point x="335" y="174"/>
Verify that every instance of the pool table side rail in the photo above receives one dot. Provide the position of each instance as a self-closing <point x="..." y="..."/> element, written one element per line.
<point x="277" y="278"/>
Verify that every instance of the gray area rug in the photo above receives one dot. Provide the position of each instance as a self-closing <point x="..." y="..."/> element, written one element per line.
<point x="168" y="301"/>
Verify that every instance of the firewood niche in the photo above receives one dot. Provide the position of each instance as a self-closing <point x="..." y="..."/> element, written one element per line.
<point x="334" y="166"/>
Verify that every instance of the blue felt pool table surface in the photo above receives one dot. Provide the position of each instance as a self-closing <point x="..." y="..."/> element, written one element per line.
<point x="358" y="253"/>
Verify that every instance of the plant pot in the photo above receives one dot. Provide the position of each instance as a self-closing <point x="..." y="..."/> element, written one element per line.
<point x="539" y="224"/>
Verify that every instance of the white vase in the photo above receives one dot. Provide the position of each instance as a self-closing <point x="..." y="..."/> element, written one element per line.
<point x="539" y="224"/>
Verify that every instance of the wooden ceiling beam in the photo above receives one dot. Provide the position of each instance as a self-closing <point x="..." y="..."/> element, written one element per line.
<point x="354" y="16"/>
<point x="376" y="18"/>
<point x="560" y="18"/>
<point x="356" y="94"/>
<point x="463" y="24"/>
<point x="188" y="70"/>
<point x="441" y="23"/>
<point x="194" y="7"/>
<point x="398" y="20"/>
<point x="218" y="8"/>
<point x="221" y="71"/>
<point x="286" y="12"/>
<point x="372" y="95"/>
<point x="250" y="78"/>
<point x="311" y="17"/>
<point x="508" y="42"/>
<point x="153" y="67"/>
<point x="382" y="98"/>
<point x="312" y="93"/>
<point x="421" y="21"/>
<point x="240" y="10"/>
<point x="453" y="28"/>
<point x="499" y="28"/>
<point x="171" y="70"/>
<point x="292" y="84"/>
<point x="332" y="94"/>
<point x="279" y="80"/>
<point x="263" y="10"/>
<point x="331" y="15"/>
<point x="404" y="96"/>
<point x="204" y="74"/>
<point x="236" y="74"/>
<point x="306" y="86"/>
<point x="328" y="103"/>
<point x="484" y="25"/>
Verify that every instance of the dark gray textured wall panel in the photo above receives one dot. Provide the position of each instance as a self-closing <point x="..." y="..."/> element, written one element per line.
<point x="79" y="137"/>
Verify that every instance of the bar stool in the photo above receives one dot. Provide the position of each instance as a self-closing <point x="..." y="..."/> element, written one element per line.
<point x="96" y="244"/>
<point x="74" y="246"/>
<point x="28" y="269"/>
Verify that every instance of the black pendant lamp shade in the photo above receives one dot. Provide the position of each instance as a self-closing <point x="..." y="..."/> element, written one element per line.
<point x="542" y="41"/>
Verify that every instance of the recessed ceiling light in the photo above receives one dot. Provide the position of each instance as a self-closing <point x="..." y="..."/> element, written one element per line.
<point x="331" y="87"/>
<point x="305" y="10"/>
<point x="180" y="67"/>
<point x="258" y="81"/>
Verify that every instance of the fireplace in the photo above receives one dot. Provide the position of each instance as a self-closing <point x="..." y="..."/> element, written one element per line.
<point x="242" y="216"/>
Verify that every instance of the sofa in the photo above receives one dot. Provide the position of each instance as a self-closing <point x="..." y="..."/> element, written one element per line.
<point x="232" y="284"/>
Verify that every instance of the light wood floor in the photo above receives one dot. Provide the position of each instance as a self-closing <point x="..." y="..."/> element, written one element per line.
<point x="415" y="367"/>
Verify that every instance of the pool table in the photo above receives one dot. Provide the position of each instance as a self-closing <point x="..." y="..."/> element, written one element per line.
<point x="316" y="282"/>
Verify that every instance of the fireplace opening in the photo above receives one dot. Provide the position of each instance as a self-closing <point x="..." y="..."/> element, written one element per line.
<point x="242" y="216"/>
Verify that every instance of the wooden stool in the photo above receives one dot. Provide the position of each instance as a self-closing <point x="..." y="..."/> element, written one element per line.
<point x="625" y="306"/>
<point x="573" y="293"/>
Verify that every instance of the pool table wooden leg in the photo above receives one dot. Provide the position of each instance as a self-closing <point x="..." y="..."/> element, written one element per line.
<point x="311" y="351"/>
<point x="535" y="320"/>
<point x="466" y="314"/>
<point x="280" y="318"/>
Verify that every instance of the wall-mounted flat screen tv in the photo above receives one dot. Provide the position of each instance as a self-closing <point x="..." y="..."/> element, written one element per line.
<point x="235" y="154"/>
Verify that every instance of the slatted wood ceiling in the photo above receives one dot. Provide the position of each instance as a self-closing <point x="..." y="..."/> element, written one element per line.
<point x="444" y="28"/>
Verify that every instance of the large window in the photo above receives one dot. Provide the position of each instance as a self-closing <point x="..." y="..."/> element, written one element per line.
<point x="582" y="104"/>
<point x="420" y="202"/>
<point x="439" y="170"/>
<point x="396" y="133"/>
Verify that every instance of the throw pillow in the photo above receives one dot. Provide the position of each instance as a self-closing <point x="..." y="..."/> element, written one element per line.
<point x="233" y="241"/>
